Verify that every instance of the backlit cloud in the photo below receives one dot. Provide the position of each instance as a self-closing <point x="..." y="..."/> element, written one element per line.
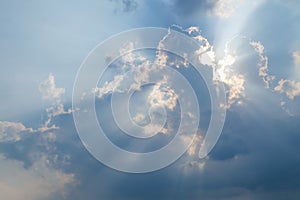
<point x="263" y="63"/>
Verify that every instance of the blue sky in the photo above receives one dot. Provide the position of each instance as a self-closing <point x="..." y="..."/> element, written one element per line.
<point x="253" y="48"/>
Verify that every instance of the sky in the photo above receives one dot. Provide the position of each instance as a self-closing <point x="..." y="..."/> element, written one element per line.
<point x="248" y="51"/>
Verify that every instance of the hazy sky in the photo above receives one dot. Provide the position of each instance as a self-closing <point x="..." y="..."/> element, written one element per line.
<point x="254" y="48"/>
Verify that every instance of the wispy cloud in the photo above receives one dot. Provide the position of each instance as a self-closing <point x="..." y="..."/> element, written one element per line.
<point x="263" y="63"/>
<point x="288" y="87"/>
<point x="225" y="8"/>
<point x="296" y="57"/>
<point x="12" y="131"/>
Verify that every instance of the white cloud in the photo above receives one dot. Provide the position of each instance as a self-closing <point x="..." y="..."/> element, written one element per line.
<point x="109" y="87"/>
<point x="222" y="68"/>
<point x="288" y="87"/>
<point x="136" y="71"/>
<point x="12" y="131"/>
<point x="16" y="131"/>
<point x="233" y="81"/>
<point x="49" y="90"/>
<point x="38" y="182"/>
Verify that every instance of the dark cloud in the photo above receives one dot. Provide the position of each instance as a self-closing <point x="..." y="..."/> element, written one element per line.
<point x="255" y="158"/>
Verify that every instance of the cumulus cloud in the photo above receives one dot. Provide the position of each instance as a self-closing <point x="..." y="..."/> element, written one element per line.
<point x="49" y="90"/>
<point x="136" y="71"/>
<point x="222" y="68"/>
<point x="288" y="87"/>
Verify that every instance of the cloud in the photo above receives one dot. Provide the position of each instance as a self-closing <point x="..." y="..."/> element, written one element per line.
<point x="36" y="183"/>
<point x="139" y="118"/>
<point x="263" y="63"/>
<point x="15" y="131"/>
<point x="188" y="7"/>
<point x="224" y="8"/>
<point x="220" y="8"/>
<point x="126" y="5"/>
<point x="136" y="71"/>
<point x="288" y="87"/>
<point x="48" y="89"/>
<point x="129" y="5"/>
<point x="12" y="131"/>
<point x="296" y="57"/>
<point x="31" y="164"/>
<point x="150" y="128"/>
<point x="162" y="95"/>
<point x="222" y="68"/>
<point x="237" y="88"/>
<point x="109" y="87"/>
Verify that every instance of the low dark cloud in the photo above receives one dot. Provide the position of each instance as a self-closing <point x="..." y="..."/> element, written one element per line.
<point x="253" y="159"/>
